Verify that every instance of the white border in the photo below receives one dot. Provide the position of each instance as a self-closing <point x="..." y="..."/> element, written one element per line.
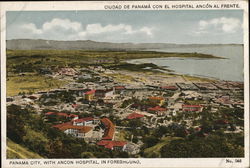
<point x="99" y="5"/>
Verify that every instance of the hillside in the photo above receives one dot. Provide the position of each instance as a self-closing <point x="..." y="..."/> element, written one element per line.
<point x="39" y="44"/>
<point x="16" y="151"/>
<point x="155" y="151"/>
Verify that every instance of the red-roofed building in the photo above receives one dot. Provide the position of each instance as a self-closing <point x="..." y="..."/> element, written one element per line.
<point x="198" y="108"/>
<point x="113" y="145"/>
<point x="134" y="116"/>
<point x="156" y="100"/>
<point x="62" y="114"/>
<point x="119" y="87"/>
<point x="89" y="95"/>
<point x="84" y="121"/>
<point x="77" y="131"/>
<point x="158" y="110"/>
<point x="109" y="129"/>
<point x="169" y="87"/>
<point x="62" y="125"/>
<point x="50" y="113"/>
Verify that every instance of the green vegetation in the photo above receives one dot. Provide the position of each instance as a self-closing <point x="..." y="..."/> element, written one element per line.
<point x="137" y="67"/>
<point x="194" y="102"/>
<point x="65" y="97"/>
<point x="30" y="83"/>
<point x="215" y="145"/>
<point x="16" y="151"/>
<point x="155" y="151"/>
<point x="26" y="128"/>
<point x="103" y="56"/>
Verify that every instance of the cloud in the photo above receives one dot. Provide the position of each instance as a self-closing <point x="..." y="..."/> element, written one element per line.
<point x="31" y="27"/>
<point x="65" y="24"/>
<point x="65" y="29"/>
<point x="222" y="24"/>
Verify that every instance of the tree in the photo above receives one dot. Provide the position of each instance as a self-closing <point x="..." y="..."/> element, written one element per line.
<point x="150" y="141"/>
<point x="35" y="141"/>
<point x="212" y="146"/>
<point x="87" y="155"/>
<point x="16" y="120"/>
<point x="162" y="130"/>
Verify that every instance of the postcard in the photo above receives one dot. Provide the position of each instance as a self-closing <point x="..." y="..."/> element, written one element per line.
<point x="125" y="84"/>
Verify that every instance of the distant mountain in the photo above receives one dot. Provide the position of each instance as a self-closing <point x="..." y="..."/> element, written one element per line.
<point x="31" y="44"/>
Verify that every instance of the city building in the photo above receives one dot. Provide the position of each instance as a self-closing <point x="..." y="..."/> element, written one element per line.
<point x="89" y="95"/>
<point x="197" y="108"/>
<point x="156" y="100"/>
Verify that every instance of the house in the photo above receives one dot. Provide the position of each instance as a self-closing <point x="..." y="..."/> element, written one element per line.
<point x="158" y="110"/>
<point x="134" y="116"/>
<point x="77" y="131"/>
<point x="104" y="93"/>
<point x="113" y="145"/>
<point x="109" y="128"/>
<point x="156" y="100"/>
<point x="197" y="108"/>
<point x="89" y="95"/>
<point x="169" y="87"/>
<point x="84" y="121"/>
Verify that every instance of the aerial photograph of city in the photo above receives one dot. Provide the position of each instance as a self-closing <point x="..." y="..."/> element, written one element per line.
<point x="124" y="84"/>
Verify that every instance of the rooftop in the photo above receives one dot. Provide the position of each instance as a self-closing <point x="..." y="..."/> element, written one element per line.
<point x="90" y="92"/>
<point x="134" y="115"/>
<point x="111" y="144"/>
<point x="156" y="98"/>
<point x="109" y="129"/>
<point x="157" y="108"/>
<point x="65" y="126"/>
<point x="84" y="119"/>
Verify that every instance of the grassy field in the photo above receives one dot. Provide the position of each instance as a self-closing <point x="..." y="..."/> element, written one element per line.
<point x="121" y="78"/>
<point x="154" y="151"/>
<point x="16" y="151"/>
<point x="31" y="83"/>
<point x="194" y="78"/>
<point x="123" y="136"/>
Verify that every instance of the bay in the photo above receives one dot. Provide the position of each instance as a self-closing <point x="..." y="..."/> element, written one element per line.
<point x="230" y="69"/>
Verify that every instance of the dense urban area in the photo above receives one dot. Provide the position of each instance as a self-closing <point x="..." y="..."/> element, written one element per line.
<point x="111" y="109"/>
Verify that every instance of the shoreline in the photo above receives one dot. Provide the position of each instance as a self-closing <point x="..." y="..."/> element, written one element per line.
<point x="167" y="69"/>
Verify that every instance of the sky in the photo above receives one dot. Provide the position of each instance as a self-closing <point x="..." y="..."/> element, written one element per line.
<point x="169" y="26"/>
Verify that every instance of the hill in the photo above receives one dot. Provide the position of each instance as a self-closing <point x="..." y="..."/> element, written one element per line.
<point x="39" y="44"/>
<point x="16" y="151"/>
